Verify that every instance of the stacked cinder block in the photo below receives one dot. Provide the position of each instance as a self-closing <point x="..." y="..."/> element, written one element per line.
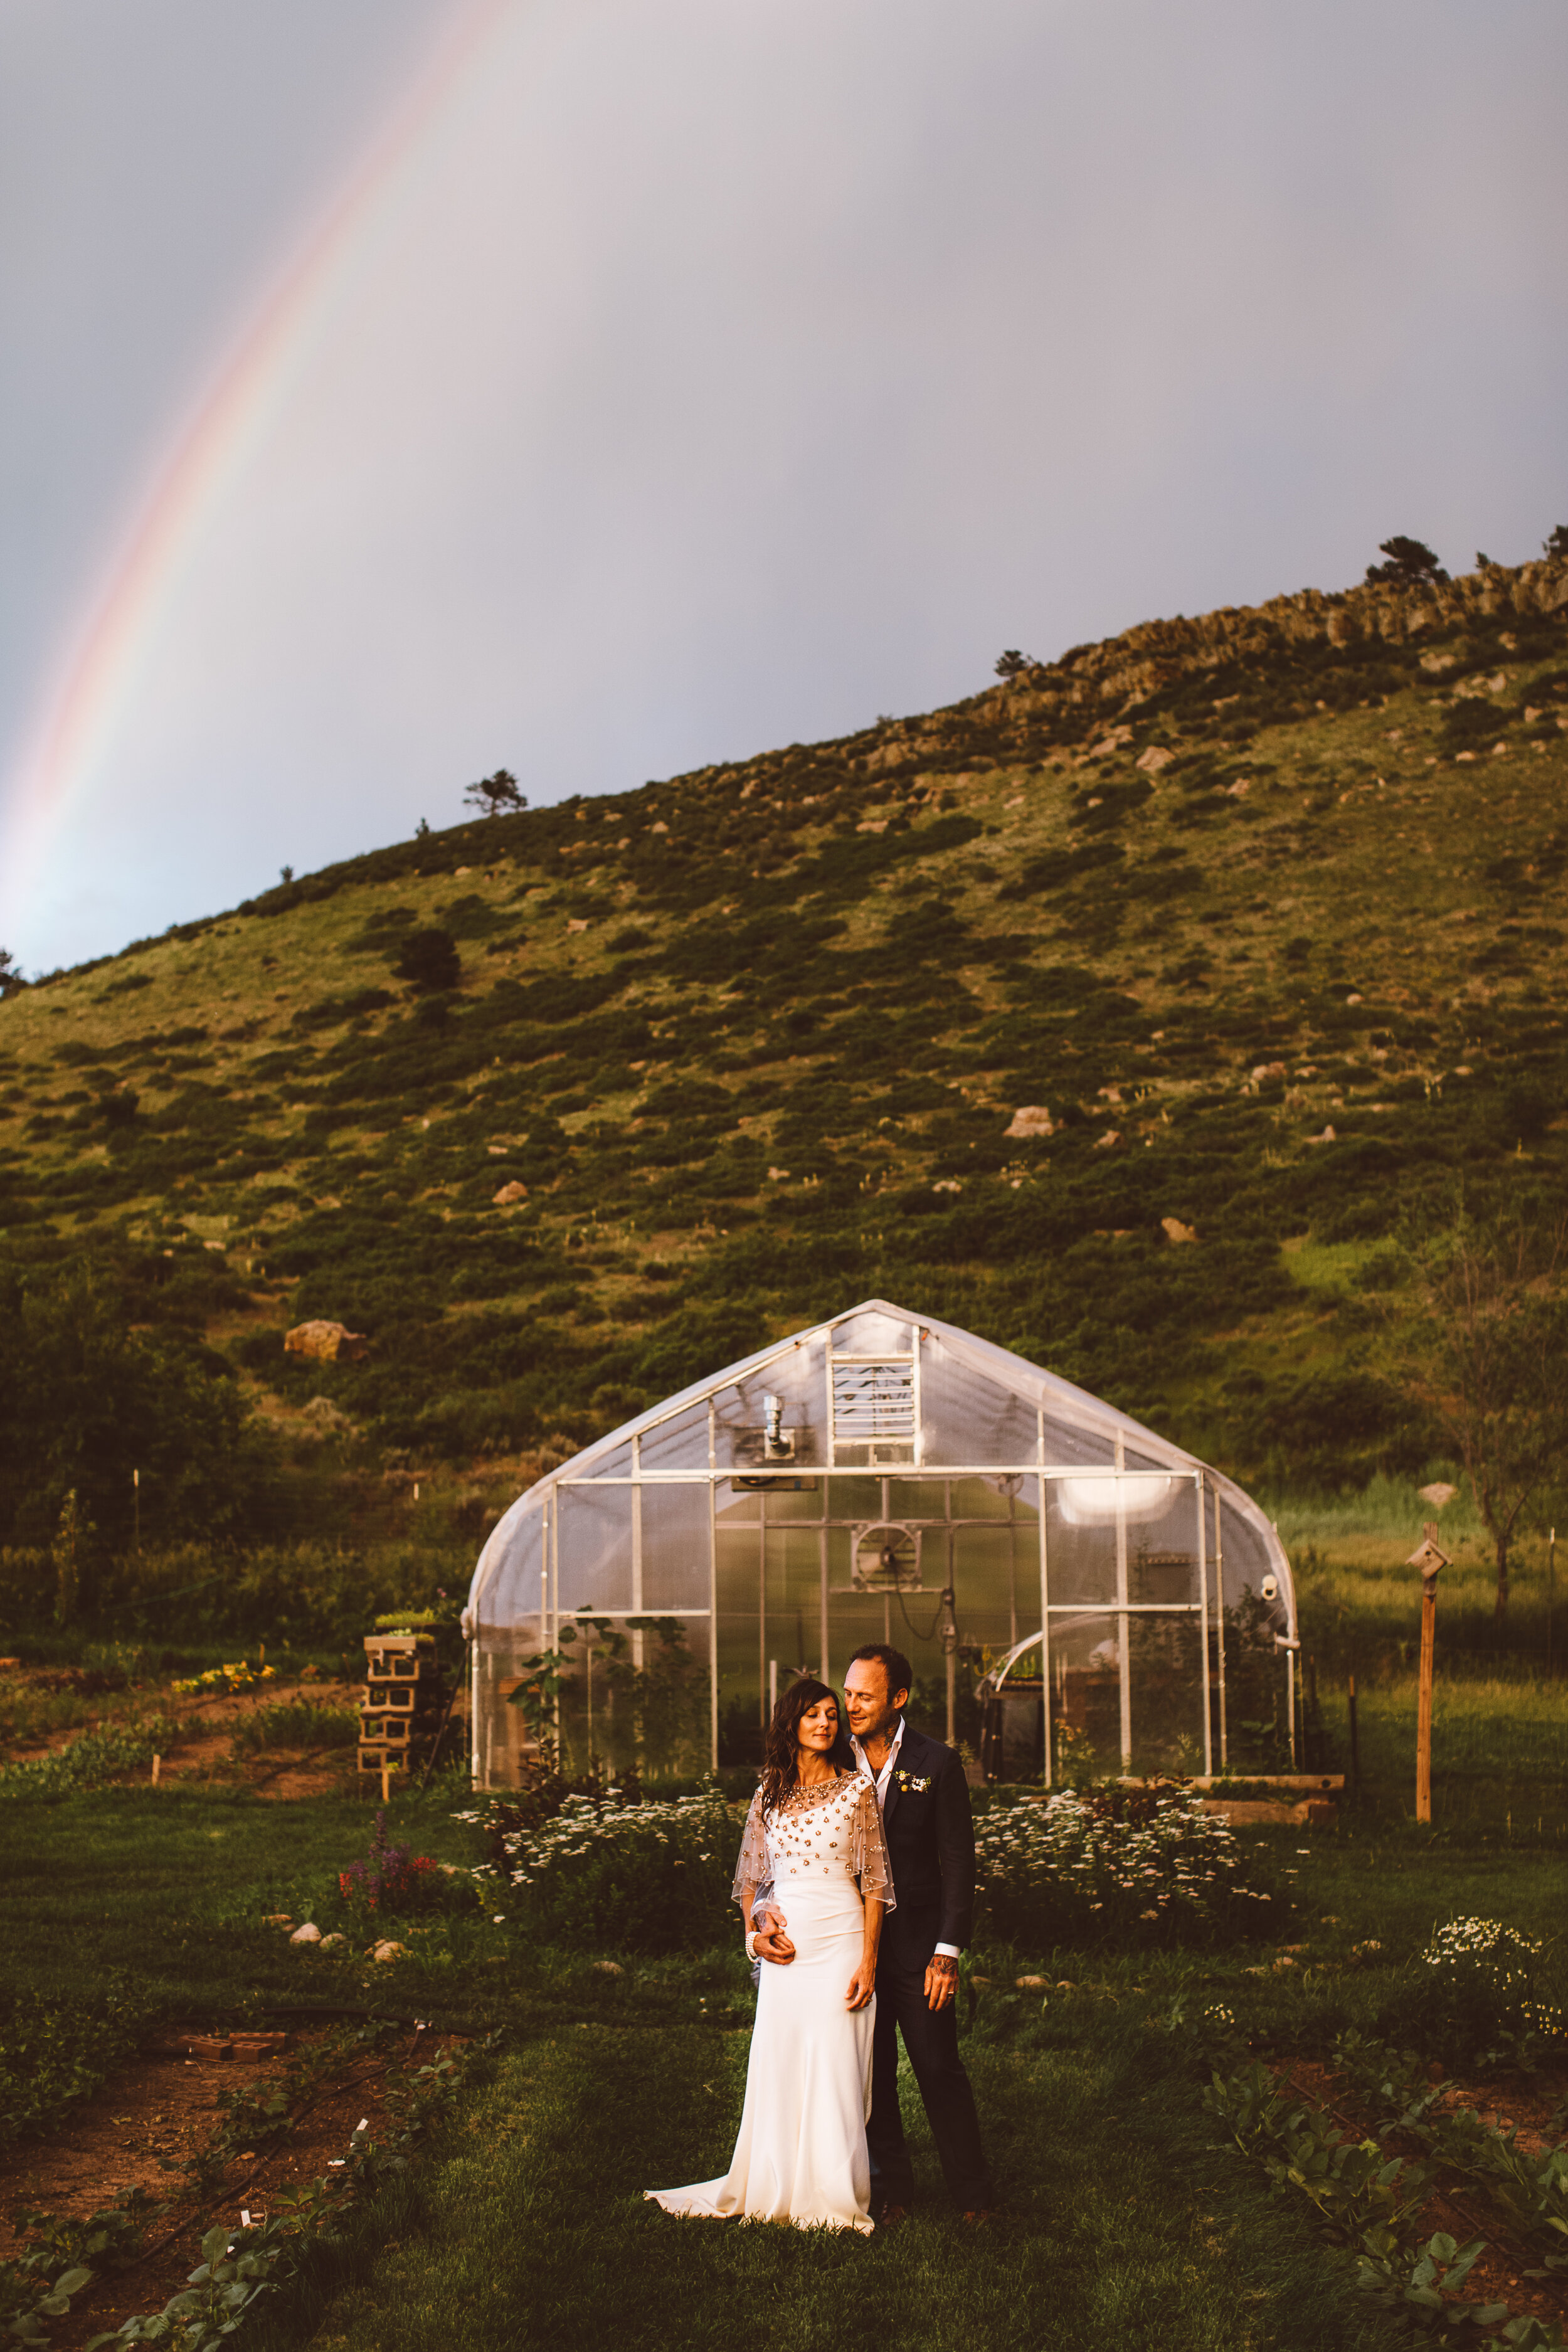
<point x="401" y="1712"/>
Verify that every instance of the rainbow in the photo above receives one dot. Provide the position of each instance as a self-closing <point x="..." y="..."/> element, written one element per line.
<point x="106" y="649"/>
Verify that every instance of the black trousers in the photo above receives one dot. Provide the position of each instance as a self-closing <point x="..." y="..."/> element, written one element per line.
<point x="931" y="2037"/>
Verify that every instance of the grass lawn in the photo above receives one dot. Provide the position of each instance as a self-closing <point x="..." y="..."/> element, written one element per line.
<point x="1125" y="2224"/>
<point x="165" y="1891"/>
<point x="1129" y="2219"/>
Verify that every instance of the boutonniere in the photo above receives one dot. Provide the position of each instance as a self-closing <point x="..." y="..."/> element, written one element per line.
<point x="914" y="1782"/>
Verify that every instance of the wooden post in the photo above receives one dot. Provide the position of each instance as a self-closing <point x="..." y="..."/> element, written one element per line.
<point x="1355" y="1749"/>
<point x="1424" y="1700"/>
<point x="1551" y="1595"/>
<point x="1429" y="1561"/>
<point x="385" y="1781"/>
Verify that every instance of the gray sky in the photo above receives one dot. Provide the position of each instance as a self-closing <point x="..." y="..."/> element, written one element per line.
<point x="391" y="390"/>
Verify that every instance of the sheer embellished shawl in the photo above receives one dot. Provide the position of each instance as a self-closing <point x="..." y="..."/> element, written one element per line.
<point x="866" y="1852"/>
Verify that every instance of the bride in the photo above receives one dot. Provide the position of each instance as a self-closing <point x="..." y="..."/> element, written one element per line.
<point x="815" y="1830"/>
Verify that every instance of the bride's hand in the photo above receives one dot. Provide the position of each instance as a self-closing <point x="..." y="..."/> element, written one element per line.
<point x="771" y="1943"/>
<point x="862" y="1984"/>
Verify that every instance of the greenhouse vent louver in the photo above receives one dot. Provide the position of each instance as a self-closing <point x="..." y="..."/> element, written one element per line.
<point x="1041" y="1558"/>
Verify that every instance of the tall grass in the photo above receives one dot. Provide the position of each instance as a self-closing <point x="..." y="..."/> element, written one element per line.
<point x="1482" y="1727"/>
<point x="1384" y="1506"/>
<point x="1359" y="1605"/>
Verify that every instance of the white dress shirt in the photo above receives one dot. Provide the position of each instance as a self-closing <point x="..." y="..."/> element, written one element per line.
<point x="881" y="1781"/>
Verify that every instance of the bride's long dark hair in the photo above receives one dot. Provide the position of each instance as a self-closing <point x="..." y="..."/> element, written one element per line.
<point x="780" y="1769"/>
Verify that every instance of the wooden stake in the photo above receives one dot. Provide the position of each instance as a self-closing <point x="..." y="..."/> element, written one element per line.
<point x="157" y="1763"/>
<point x="1424" y="1699"/>
<point x="385" y="1781"/>
<point x="1429" y="1561"/>
<point x="1551" y="1595"/>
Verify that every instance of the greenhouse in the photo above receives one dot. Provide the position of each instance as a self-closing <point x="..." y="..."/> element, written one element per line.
<point x="1071" y="1589"/>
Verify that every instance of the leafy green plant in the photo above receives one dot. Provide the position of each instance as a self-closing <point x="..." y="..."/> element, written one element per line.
<point x="29" y="2296"/>
<point x="235" y="2272"/>
<point x="227" y="2282"/>
<point x="1370" y="2202"/>
<point x="63" y="2256"/>
<point x="53" y="2054"/>
<point x="1530" y="2192"/>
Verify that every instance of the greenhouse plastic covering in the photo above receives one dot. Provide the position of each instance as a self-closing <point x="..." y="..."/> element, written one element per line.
<point x="888" y="1476"/>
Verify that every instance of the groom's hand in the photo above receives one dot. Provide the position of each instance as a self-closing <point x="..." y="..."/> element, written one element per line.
<point x="941" y="1980"/>
<point x="771" y="1943"/>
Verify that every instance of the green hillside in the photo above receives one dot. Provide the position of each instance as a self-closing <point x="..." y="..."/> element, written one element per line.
<point x="1262" y="915"/>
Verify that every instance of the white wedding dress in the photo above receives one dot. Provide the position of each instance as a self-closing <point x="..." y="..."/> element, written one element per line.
<point x="801" y="2153"/>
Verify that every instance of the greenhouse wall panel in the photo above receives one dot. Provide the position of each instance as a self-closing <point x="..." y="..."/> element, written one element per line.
<point x="885" y="1477"/>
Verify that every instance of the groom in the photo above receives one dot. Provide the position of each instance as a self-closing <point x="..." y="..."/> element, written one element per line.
<point x="926" y="1820"/>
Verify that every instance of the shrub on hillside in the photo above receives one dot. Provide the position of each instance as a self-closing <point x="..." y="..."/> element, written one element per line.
<point x="428" y="958"/>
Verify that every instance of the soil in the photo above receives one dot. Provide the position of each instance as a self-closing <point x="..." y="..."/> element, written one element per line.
<point x="150" y="2120"/>
<point x="1499" y="2275"/>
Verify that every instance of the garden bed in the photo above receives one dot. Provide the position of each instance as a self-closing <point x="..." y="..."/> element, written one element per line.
<point x="165" y="2132"/>
<point x="1526" y="2108"/>
<point x="285" y="1737"/>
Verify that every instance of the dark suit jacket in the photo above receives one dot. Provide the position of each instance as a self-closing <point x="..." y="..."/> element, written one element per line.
<point x="931" y="1845"/>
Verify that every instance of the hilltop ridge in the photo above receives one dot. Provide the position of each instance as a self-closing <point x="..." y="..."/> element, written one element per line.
<point x="1117" y="1011"/>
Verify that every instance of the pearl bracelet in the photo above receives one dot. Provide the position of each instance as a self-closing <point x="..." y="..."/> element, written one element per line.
<point x="752" y="1945"/>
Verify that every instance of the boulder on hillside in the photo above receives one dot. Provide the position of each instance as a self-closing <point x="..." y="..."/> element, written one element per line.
<point x="509" y="1195"/>
<point x="1155" y="757"/>
<point x="1174" y="1230"/>
<point x="1032" y="1118"/>
<point x="327" y="1343"/>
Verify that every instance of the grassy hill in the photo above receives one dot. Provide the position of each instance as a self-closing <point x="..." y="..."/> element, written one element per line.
<point x="1261" y="916"/>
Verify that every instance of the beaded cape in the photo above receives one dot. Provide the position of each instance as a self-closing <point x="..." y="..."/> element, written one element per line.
<point x="831" y="1829"/>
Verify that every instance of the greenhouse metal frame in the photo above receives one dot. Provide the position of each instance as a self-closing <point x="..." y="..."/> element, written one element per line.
<point x="820" y="1487"/>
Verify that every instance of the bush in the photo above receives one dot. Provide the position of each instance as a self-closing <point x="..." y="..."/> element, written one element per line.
<point x="429" y="958"/>
<point x="1479" y="1996"/>
<point x="1140" y="1866"/>
<point x="644" y="1877"/>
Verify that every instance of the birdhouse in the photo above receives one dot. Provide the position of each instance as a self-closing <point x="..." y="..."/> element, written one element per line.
<point x="1428" y="1556"/>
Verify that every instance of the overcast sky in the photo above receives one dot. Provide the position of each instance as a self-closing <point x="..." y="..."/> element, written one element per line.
<point x="393" y="390"/>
